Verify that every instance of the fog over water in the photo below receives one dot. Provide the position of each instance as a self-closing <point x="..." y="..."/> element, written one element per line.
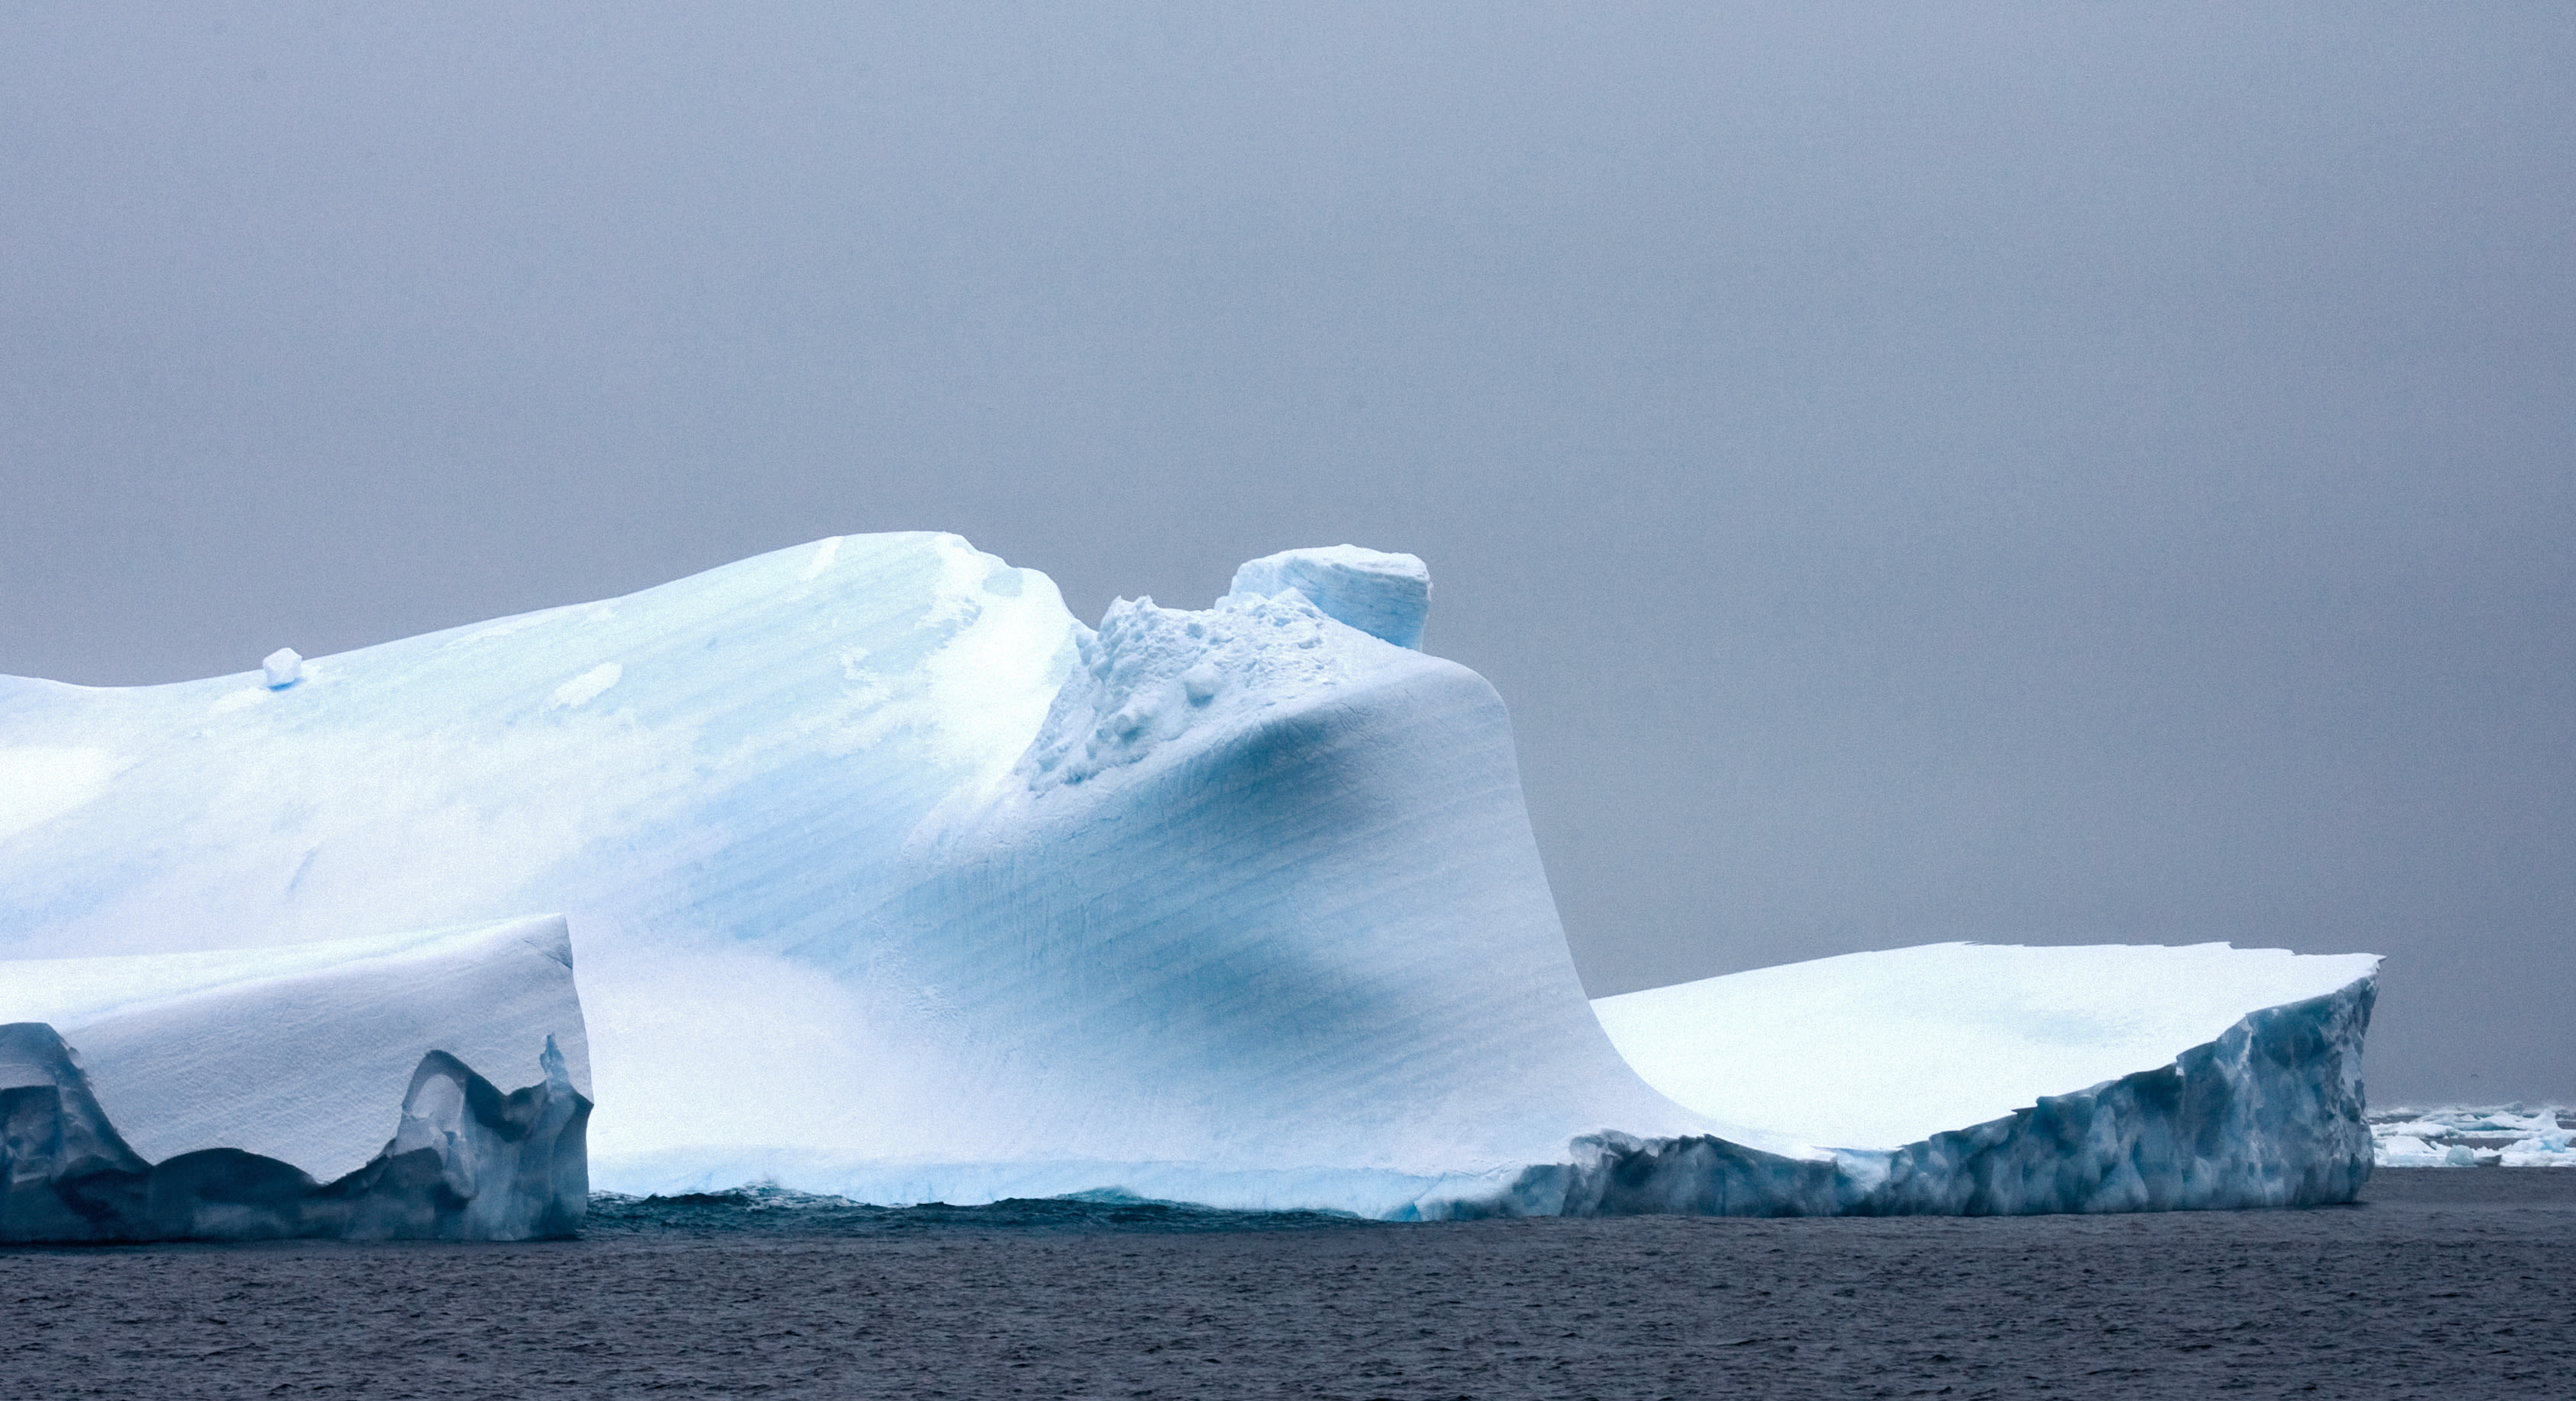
<point x="2010" y="472"/>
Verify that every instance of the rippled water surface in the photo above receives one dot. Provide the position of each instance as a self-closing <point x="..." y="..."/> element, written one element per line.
<point x="2443" y="1282"/>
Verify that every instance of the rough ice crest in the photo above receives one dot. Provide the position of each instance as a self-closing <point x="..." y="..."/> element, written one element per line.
<point x="1151" y="676"/>
<point x="1384" y="595"/>
<point x="281" y="668"/>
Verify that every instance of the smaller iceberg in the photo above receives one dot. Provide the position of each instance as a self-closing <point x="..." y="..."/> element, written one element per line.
<point x="1985" y="1080"/>
<point x="319" y="1089"/>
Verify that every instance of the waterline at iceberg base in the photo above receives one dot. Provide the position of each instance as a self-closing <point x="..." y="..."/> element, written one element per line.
<point x="892" y="880"/>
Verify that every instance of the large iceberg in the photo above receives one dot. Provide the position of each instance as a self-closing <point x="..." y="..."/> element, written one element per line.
<point x="322" y="1089"/>
<point x="895" y="881"/>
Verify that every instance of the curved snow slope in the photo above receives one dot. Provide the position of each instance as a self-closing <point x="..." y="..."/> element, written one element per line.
<point x="304" y="1054"/>
<point x="893" y="879"/>
<point x="1895" y="1047"/>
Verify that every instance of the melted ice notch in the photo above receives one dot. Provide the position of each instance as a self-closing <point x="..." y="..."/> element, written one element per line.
<point x="1380" y="594"/>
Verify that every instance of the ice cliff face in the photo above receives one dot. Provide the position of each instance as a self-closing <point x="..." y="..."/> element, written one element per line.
<point x="894" y="880"/>
<point x="301" y="1091"/>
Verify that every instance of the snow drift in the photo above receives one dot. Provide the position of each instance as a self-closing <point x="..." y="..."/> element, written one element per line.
<point x="895" y="881"/>
<point x="324" y="1089"/>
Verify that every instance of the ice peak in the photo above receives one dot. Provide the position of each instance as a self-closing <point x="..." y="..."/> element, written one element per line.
<point x="1381" y="594"/>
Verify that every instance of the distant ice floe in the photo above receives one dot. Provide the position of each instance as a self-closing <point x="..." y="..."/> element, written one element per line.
<point x="2456" y="1136"/>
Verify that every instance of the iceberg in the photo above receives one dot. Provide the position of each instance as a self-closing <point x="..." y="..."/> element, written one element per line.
<point x="1989" y="1079"/>
<point x="896" y="882"/>
<point x="320" y="1089"/>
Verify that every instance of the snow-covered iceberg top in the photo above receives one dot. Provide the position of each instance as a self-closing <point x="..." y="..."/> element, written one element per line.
<point x="1384" y="595"/>
<point x="1877" y="1050"/>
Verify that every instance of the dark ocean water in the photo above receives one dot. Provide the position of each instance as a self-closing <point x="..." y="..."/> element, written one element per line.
<point x="2457" y="1283"/>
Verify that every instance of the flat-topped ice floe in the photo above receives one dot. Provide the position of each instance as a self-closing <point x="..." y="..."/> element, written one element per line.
<point x="330" y="1088"/>
<point x="1896" y="1046"/>
<point x="1998" y="1078"/>
<point x="894" y="880"/>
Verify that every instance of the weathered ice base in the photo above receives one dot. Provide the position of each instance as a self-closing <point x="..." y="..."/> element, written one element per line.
<point x="2269" y="1114"/>
<point x="467" y="1162"/>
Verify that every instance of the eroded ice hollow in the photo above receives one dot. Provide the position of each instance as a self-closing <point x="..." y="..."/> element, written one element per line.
<point x="336" y="1088"/>
<point x="896" y="881"/>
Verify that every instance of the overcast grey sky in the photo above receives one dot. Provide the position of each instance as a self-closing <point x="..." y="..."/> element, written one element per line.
<point x="2052" y="473"/>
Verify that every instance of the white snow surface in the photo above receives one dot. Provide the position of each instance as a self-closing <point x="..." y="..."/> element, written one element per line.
<point x="303" y="1052"/>
<point x="1877" y="1050"/>
<point x="892" y="880"/>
